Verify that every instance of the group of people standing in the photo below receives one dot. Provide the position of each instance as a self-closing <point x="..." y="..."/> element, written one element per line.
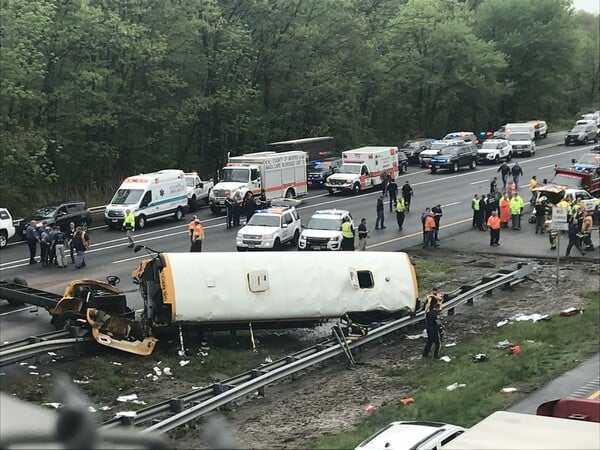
<point x="399" y="205"/>
<point x="240" y="205"/>
<point x="54" y="243"/>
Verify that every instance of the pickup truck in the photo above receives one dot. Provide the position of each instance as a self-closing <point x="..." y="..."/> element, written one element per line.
<point x="197" y="190"/>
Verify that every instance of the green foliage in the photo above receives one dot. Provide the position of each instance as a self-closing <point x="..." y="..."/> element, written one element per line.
<point x="547" y="349"/>
<point x="92" y="91"/>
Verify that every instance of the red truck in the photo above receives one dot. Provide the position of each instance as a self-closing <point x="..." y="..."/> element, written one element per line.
<point x="578" y="179"/>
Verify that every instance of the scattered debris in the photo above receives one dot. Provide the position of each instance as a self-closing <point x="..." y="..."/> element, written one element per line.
<point x="138" y="402"/>
<point x="514" y="349"/>
<point x="54" y="405"/>
<point x="417" y="336"/>
<point x="126" y="414"/>
<point x="368" y="408"/>
<point x="157" y="370"/>
<point x="508" y="390"/>
<point x="22" y="363"/>
<point x="51" y="353"/>
<point x="571" y="311"/>
<point x="80" y="381"/>
<point x="154" y="377"/>
<point x="91" y="409"/>
<point x="32" y="367"/>
<point x="127" y="398"/>
<point x="524" y="317"/>
<point x="184" y="362"/>
<point x="407" y="400"/>
<point x="450" y="344"/>
<point x="454" y="386"/>
<point x="501" y="345"/>
<point x="105" y="408"/>
<point x="268" y="360"/>
<point x="479" y="357"/>
<point x="445" y="359"/>
<point x="167" y="371"/>
<point x="116" y="363"/>
<point x="34" y="373"/>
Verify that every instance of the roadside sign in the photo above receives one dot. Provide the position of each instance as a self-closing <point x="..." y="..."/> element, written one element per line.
<point x="559" y="215"/>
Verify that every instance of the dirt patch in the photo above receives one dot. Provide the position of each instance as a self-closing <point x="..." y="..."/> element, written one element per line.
<point x="323" y="399"/>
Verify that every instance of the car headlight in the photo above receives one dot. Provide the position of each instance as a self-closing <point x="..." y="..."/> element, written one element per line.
<point x="349" y="180"/>
<point x="328" y="180"/>
<point x="334" y="239"/>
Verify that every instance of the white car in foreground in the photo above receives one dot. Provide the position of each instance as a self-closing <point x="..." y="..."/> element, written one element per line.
<point x="407" y="435"/>
<point x="270" y="229"/>
<point x="494" y="151"/>
<point x="7" y="228"/>
<point x="324" y="230"/>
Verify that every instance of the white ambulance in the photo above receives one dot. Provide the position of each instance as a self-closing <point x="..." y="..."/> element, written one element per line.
<point x="279" y="174"/>
<point x="362" y="169"/>
<point x="150" y="196"/>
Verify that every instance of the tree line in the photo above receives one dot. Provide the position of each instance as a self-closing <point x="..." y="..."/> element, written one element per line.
<point x="95" y="90"/>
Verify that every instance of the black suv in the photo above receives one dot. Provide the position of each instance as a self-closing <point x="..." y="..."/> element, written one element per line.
<point x="61" y="215"/>
<point x="412" y="148"/>
<point x="318" y="171"/>
<point x="453" y="158"/>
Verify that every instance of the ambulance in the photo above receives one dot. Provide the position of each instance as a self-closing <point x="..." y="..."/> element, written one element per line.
<point x="362" y="169"/>
<point x="150" y="197"/>
<point x="279" y="174"/>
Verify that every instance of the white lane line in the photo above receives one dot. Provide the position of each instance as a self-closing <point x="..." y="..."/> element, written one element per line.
<point x="546" y="167"/>
<point x="450" y="204"/>
<point x="478" y="182"/>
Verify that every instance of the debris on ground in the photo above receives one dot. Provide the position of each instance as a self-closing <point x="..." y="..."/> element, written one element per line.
<point x="508" y="390"/>
<point x="571" y="311"/>
<point x="368" y="408"/>
<point x="445" y="359"/>
<point x="127" y="398"/>
<point x="501" y="345"/>
<point x="54" y="405"/>
<point x="455" y="386"/>
<point x="407" y="400"/>
<point x="417" y="336"/>
<point x="184" y="362"/>
<point x="514" y="349"/>
<point x="479" y="357"/>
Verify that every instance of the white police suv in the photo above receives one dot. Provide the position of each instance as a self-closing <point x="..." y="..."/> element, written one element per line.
<point x="324" y="230"/>
<point x="270" y="229"/>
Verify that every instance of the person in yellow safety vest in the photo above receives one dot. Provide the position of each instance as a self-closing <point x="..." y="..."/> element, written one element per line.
<point x="475" y="208"/>
<point x="191" y="227"/>
<point x="129" y="225"/>
<point x="516" y="206"/>
<point x="532" y="185"/>
<point x="400" y="208"/>
<point x="347" y="235"/>
<point x="197" y="237"/>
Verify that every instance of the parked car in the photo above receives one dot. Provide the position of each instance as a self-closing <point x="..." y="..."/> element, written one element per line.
<point x="411" y="435"/>
<point x="435" y="149"/>
<point x="270" y="229"/>
<point x="588" y="122"/>
<point x="318" y="171"/>
<point x="7" y="228"/>
<point x="402" y="163"/>
<point x="453" y="158"/>
<point x="494" y="151"/>
<point x="523" y="142"/>
<point x="413" y="148"/>
<point x="324" y="230"/>
<point x="594" y="117"/>
<point x="582" y="134"/>
<point x="541" y="128"/>
<point x="467" y="136"/>
<point x="59" y="214"/>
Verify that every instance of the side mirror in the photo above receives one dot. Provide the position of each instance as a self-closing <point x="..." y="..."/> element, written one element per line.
<point x="200" y="185"/>
<point x="285" y="225"/>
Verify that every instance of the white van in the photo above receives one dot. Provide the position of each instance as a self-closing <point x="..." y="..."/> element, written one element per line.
<point x="150" y="196"/>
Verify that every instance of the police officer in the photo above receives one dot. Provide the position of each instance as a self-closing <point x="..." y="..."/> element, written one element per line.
<point x="32" y="237"/>
<point x="249" y="205"/>
<point x="228" y="210"/>
<point x="347" y="235"/>
<point x="129" y="225"/>
<point x="433" y="325"/>
<point x="363" y="234"/>
<point x="400" y="208"/>
<point x="407" y="193"/>
<point x="392" y="189"/>
<point x="59" y="247"/>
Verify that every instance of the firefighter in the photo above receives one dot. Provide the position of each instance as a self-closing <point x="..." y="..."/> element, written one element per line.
<point x="552" y="234"/>
<point x="129" y="226"/>
<point x="433" y="324"/>
<point x="586" y="230"/>
<point x="347" y="235"/>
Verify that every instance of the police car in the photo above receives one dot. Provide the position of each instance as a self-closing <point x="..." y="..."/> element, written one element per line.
<point x="270" y="229"/>
<point x="324" y="230"/>
<point x="7" y="228"/>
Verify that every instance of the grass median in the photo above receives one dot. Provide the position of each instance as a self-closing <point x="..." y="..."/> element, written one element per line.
<point x="548" y="348"/>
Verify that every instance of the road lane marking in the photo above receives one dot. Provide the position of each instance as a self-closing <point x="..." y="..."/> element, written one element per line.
<point x="546" y="167"/>
<point x="594" y="395"/>
<point x="419" y="233"/>
<point x="478" y="182"/>
<point x="451" y="204"/>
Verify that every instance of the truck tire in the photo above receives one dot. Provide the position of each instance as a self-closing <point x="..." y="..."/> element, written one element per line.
<point x="473" y="165"/>
<point x="290" y="193"/>
<point x="509" y="157"/>
<point x="496" y="159"/>
<point x="295" y="239"/>
<point x="277" y="244"/>
<point x="356" y="188"/>
<point x="178" y="216"/>
<point x="241" y="249"/>
<point x="206" y="201"/>
<point x="3" y="238"/>
<point x="330" y="191"/>
<point x="455" y="167"/>
<point x="215" y="209"/>
<point x="141" y="222"/>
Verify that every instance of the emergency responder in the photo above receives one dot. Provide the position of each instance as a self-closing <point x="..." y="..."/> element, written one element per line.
<point x="400" y="208"/>
<point x="516" y="173"/>
<point x="586" y="230"/>
<point x="237" y="208"/>
<point x="347" y="235"/>
<point x="385" y="179"/>
<point x="129" y="226"/>
<point x="45" y="245"/>
<point x="228" y="210"/>
<point x="32" y="237"/>
<point x="533" y="184"/>
<point x="574" y="237"/>
<point x="437" y="216"/>
<point x="494" y="186"/>
<point x="475" y="208"/>
<point x="552" y="234"/>
<point x="392" y="189"/>
<point x="197" y="237"/>
<point x="429" y="230"/>
<point x="504" y="206"/>
<point x="540" y="216"/>
<point x="249" y="205"/>
<point x="70" y="234"/>
<point x="504" y="172"/>
<point x="263" y="199"/>
<point x="191" y="227"/>
<point x="433" y="324"/>
<point x="516" y="208"/>
<point x="380" y="217"/>
<point x="407" y="193"/>
<point x="363" y="234"/>
<point x="493" y="224"/>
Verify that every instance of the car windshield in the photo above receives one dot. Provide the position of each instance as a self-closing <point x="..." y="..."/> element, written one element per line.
<point x="350" y="168"/>
<point x="578" y="129"/>
<point x="322" y="223"/>
<point x="127" y="196"/>
<point x="519" y="137"/>
<point x="411" y="144"/>
<point x="236" y="175"/>
<point x="438" y="145"/>
<point x="264" y="220"/>
<point x="450" y="151"/>
<point x="320" y="166"/>
<point x="591" y="159"/>
<point x="190" y="182"/>
<point x="46" y="211"/>
<point x="491" y="146"/>
<point x="564" y="180"/>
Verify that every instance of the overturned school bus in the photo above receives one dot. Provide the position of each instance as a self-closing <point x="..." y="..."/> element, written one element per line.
<point x="216" y="291"/>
